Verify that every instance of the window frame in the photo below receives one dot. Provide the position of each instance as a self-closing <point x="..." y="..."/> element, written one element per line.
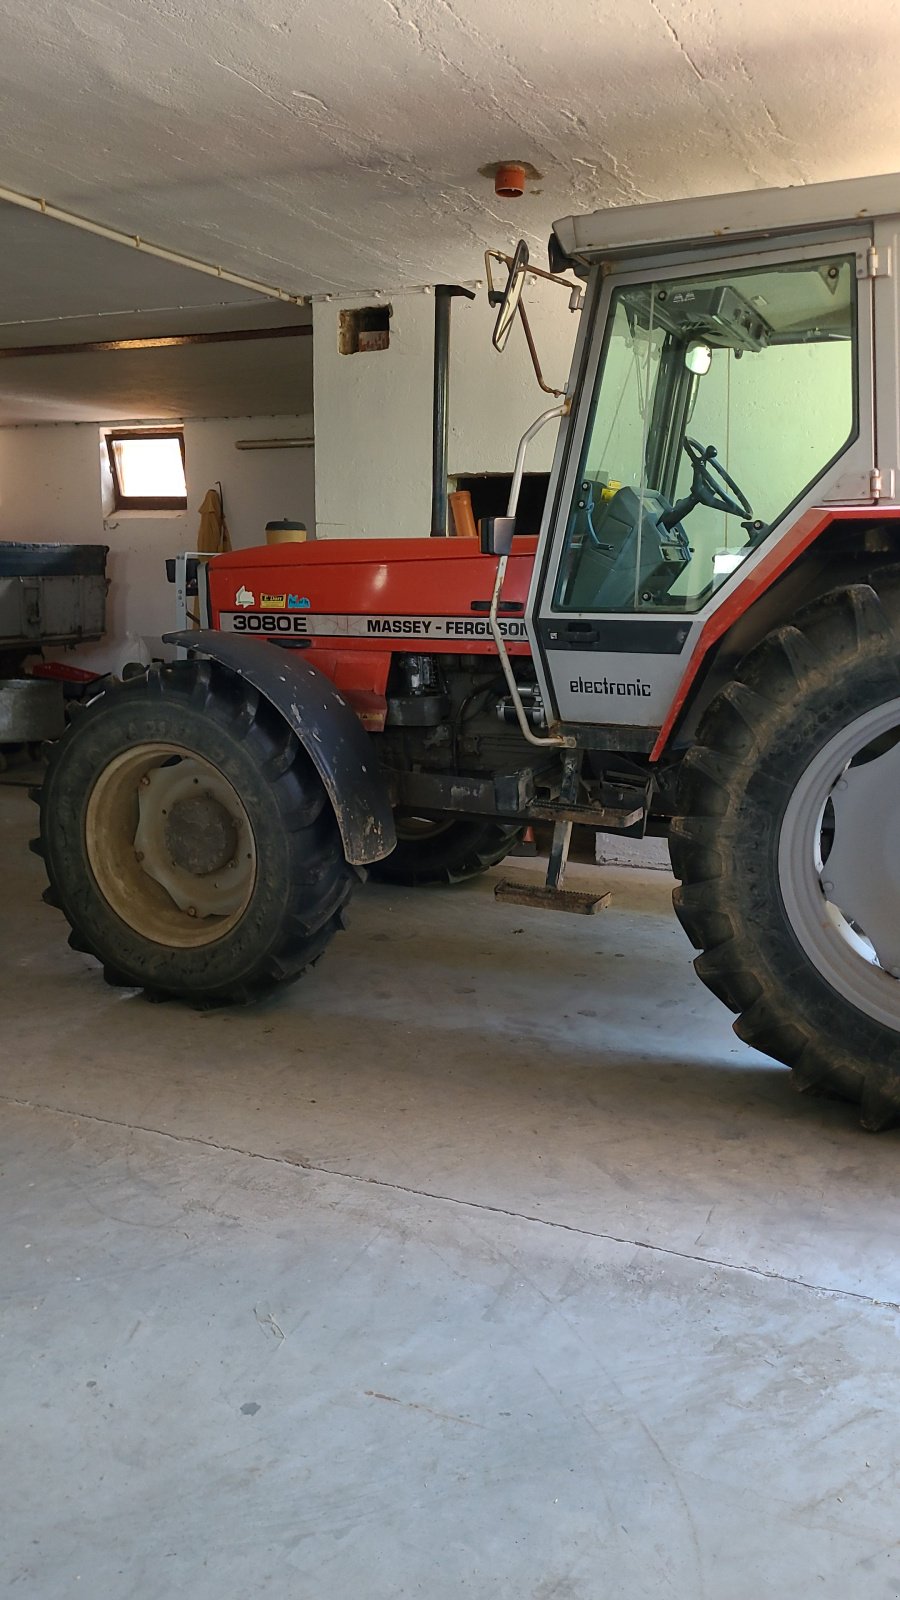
<point x="143" y="502"/>
<point x="699" y="273"/>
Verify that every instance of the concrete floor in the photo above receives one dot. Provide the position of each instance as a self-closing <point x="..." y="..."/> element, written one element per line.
<point x="484" y="1262"/>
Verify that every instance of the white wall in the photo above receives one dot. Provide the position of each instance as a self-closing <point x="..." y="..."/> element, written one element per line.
<point x="50" y="489"/>
<point x="373" y="411"/>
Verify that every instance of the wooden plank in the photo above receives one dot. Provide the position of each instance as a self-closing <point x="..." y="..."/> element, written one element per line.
<point x="583" y="902"/>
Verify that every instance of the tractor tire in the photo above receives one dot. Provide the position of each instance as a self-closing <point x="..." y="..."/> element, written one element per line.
<point x="448" y="851"/>
<point x="188" y="839"/>
<point x="786" y="847"/>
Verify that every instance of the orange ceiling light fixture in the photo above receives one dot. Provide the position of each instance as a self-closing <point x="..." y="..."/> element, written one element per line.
<point x="509" y="182"/>
<point x="510" y="177"/>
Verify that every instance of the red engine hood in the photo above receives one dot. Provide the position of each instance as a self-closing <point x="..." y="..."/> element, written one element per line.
<point x="366" y="577"/>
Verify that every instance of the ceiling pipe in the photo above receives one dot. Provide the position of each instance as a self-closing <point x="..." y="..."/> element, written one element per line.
<point x="44" y="208"/>
<point x="274" y="444"/>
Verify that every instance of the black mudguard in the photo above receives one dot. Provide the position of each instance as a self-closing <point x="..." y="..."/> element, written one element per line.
<point x="329" y="730"/>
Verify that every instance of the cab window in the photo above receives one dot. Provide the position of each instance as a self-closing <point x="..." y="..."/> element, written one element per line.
<point x="719" y="401"/>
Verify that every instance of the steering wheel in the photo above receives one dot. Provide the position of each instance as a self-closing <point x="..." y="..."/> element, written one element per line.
<point x="709" y="475"/>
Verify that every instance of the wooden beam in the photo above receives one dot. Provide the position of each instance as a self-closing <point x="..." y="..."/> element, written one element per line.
<point x="292" y="330"/>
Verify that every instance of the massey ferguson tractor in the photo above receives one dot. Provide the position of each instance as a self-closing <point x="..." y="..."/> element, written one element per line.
<point x="704" y="639"/>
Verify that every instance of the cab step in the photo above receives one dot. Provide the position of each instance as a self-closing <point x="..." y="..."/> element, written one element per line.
<point x="550" y="895"/>
<point x="544" y="897"/>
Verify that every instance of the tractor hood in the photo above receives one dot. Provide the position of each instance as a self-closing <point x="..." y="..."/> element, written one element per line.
<point x="370" y="591"/>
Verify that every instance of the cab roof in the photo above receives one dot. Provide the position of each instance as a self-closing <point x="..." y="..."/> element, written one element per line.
<point x="628" y="230"/>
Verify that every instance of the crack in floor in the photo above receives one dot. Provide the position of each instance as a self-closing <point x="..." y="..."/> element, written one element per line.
<point x="455" y="1200"/>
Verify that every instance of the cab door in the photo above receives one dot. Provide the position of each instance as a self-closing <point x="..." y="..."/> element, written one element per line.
<point x="718" y="400"/>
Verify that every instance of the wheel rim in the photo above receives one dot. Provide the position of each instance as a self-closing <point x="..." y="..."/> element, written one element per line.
<point x="170" y="845"/>
<point x="839" y="863"/>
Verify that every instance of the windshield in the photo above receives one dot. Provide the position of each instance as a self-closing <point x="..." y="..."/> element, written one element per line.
<point x="719" y="401"/>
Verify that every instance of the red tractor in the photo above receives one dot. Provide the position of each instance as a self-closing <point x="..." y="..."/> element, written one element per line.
<point x="703" y="640"/>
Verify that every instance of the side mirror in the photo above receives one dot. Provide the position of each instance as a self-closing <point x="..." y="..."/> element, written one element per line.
<point x="512" y="294"/>
<point x="698" y="358"/>
<point x="496" y="534"/>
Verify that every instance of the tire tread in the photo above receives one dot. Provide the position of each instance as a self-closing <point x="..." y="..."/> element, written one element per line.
<point x="318" y="872"/>
<point x="854" y="625"/>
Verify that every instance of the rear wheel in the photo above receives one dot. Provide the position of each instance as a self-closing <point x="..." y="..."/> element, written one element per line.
<point x="188" y="839"/>
<point x="788" y="847"/>
<point x="444" y="850"/>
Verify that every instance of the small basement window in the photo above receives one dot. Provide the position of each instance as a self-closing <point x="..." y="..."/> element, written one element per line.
<point x="147" y="469"/>
<point x="369" y="328"/>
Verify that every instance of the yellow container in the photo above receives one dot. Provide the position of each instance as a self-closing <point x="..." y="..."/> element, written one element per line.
<point x="285" y="532"/>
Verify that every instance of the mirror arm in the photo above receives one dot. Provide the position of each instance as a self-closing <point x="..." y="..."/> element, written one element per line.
<point x="496" y="295"/>
<point x="558" y="394"/>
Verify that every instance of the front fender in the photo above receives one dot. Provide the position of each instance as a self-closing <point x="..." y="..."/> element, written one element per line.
<point x="330" y="732"/>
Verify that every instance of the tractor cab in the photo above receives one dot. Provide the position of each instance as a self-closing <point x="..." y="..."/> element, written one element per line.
<point x="721" y="388"/>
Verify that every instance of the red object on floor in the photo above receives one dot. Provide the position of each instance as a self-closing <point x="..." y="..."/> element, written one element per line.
<point x="61" y="672"/>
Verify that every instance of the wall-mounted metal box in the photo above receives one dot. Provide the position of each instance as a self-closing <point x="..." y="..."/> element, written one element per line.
<point x="51" y="594"/>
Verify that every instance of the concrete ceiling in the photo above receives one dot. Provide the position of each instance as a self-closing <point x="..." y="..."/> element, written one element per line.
<point x="59" y="286"/>
<point x="332" y="146"/>
<point x="265" y="377"/>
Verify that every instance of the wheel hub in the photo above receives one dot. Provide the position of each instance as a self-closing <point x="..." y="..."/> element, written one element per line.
<point x="188" y="838"/>
<point x="839" y="863"/>
<point x="170" y="845"/>
<point x="862" y="873"/>
<point x="201" y="836"/>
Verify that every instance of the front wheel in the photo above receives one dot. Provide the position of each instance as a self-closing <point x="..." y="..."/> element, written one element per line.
<point x="788" y="847"/>
<point x="188" y="839"/>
